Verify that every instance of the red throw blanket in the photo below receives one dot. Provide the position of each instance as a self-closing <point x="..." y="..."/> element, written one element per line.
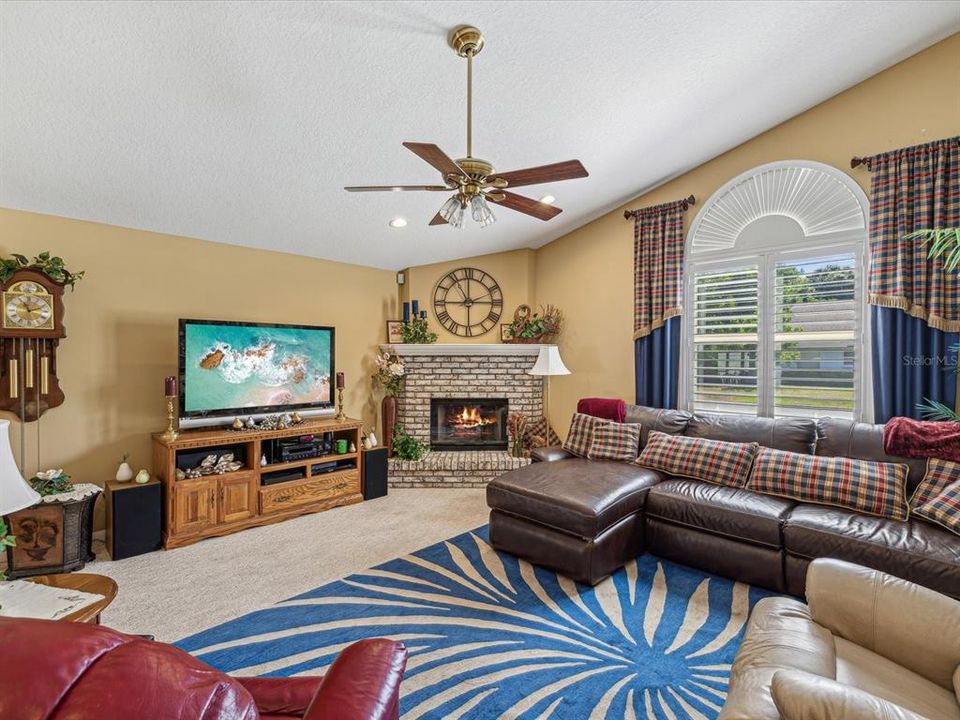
<point x="605" y="408"/>
<point x="922" y="438"/>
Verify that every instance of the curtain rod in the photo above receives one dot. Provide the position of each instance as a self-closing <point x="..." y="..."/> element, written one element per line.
<point x="857" y="161"/>
<point x="686" y="203"/>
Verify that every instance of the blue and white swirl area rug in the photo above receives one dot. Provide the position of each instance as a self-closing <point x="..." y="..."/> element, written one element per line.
<point x="491" y="636"/>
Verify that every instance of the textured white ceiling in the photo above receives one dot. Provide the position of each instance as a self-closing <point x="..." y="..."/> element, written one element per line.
<point x="241" y="122"/>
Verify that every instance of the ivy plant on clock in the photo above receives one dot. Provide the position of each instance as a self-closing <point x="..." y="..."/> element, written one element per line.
<point x="468" y="302"/>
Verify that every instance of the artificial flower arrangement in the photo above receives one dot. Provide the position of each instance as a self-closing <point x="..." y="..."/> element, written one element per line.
<point x="517" y="428"/>
<point x="390" y="372"/>
<point x="51" y="482"/>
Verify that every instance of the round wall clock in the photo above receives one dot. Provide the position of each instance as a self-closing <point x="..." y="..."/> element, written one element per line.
<point x="468" y="302"/>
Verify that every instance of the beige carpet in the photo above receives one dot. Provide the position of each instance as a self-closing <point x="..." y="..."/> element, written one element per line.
<point x="171" y="594"/>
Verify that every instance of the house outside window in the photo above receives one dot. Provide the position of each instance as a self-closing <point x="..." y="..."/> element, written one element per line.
<point x="775" y="308"/>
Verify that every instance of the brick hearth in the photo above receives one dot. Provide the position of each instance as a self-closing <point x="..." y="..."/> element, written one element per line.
<point x="450" y="371"/>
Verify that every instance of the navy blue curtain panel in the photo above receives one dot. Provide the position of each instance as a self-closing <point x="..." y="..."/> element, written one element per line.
<point x="657" y="365"/>
<point x="911" y="361"/>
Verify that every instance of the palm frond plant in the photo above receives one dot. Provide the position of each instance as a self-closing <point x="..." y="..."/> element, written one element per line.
<point x="944" y="243"/>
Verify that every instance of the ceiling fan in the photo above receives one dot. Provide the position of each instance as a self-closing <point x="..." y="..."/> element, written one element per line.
<point x="473" y="181"/>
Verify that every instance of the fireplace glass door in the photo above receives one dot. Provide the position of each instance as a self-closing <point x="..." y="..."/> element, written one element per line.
<point x="468" y="424"/>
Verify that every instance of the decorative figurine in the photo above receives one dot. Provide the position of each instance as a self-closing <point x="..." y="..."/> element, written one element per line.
<point x="353" y="447"/>
<point x="373" y="438"/>
<point x="180" y="474"/>
<point x="251" y="423"/>
<point x="263" y="460"/>
<point x="124" y="472"/>
<point x="366" y="442"/>
<point x="237" y="424"/>
<point x="296" y="418"/>
<point x="143" y="477"/>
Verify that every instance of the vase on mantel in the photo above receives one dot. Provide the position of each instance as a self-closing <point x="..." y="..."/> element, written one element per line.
<point x="388" y="411"/>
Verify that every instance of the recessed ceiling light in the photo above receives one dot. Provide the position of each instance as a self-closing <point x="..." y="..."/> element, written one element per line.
<point x="398" y="222"/>
<point x="548" y="199"/>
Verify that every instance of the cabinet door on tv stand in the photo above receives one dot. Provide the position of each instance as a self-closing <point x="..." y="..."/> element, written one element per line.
<point x="194" y="504"/>
<point x="238" y="498"/>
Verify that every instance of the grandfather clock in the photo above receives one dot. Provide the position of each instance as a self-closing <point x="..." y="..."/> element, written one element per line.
<point x="30" y="331"/>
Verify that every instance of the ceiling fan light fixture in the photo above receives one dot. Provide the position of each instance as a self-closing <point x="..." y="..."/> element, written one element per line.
<point x="398" y="222"/>
<point x="452" y="211"/>
<point x="548" y="199"/>
<point x="480" y="211"/>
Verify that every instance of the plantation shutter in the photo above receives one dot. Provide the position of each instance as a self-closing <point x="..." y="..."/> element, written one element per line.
<point x="815" y="337"/>
<point x="725" y="371"/>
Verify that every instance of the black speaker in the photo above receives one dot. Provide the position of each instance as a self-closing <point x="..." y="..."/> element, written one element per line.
<point x="134" y="518"/>
<point x="374" y="473"/>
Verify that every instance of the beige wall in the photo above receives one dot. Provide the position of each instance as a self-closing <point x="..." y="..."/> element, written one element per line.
<point x="588" y="272"/>
<point x="121" y="320"/>
<point x="122" y="326"/>
<point x="513" y="271"/>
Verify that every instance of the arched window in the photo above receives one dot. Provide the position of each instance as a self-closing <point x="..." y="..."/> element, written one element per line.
<point x="774" y="296"/>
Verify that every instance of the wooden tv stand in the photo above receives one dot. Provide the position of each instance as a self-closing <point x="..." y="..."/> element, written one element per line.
<point x="197" y="508"/>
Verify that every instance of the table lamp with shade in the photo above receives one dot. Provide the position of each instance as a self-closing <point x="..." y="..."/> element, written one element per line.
<point x="15" y="492"/>
<point x="548" y="363"/>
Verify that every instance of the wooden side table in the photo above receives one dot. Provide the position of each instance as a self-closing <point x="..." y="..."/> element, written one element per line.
<point x="85" y="582"/>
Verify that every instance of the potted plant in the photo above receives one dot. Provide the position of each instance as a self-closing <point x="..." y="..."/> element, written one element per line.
<point x="535" y="327"/>
<point x="407" y="447"/>
<point x="389" y="376"/>
<point x="418" y="331"/>
<point x="6" y="540"/>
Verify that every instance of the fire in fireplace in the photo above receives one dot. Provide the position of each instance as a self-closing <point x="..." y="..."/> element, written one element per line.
<point x="468" y="423"/>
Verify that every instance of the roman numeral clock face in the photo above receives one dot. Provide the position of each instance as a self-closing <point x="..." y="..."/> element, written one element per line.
<point x="468" y="302"/>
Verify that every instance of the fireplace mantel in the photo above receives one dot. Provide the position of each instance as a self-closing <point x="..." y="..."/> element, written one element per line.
<point x="405" y="349"/>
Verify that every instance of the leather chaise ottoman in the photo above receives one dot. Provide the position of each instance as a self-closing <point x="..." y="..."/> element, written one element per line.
<point x="720" y="529"/>
<point x="582" y="518"/>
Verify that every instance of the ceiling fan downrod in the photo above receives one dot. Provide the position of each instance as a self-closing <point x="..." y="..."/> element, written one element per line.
<point x="467" y="41"/>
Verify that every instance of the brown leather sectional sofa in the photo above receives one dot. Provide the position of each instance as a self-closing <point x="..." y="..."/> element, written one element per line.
<point x="585" y="518"/>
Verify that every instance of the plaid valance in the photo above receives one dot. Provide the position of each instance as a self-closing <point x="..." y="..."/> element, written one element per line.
<point x="915" y="188"/>
<point x="657" y="265"/>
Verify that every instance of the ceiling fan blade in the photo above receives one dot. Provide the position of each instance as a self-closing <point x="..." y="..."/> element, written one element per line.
<point x="529" y="206"/>
<point x="394" y="188"/>
<point x="435" y="156"/>
<point x="438" y="220"/>
<point x="543" y="174"/>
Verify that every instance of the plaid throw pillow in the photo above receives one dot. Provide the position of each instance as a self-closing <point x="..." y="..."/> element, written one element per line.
<point x="943" y="508"/>
<point x="874" y="488"/>
<point x="615" y="441"/>
<point x="724" y="463"/>
<point x="580" y="438"/>
<point x="535" y="434"/>
<point x="939" y="474"/>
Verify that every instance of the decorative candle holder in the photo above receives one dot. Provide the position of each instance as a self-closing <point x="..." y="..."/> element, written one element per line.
<point x="340" y="414"/>
<point x="171" y="431"/>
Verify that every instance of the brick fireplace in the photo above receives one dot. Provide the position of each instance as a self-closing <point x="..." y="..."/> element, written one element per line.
<point x="474" y="385"/>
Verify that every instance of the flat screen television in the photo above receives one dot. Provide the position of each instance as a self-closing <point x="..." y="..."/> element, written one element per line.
<point x="238" y="369"/>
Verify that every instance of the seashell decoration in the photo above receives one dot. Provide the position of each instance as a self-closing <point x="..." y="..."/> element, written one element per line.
<point x="213" y="465"/>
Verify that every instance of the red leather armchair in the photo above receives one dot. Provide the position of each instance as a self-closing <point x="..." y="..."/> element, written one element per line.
<point x="67" y="671"/>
